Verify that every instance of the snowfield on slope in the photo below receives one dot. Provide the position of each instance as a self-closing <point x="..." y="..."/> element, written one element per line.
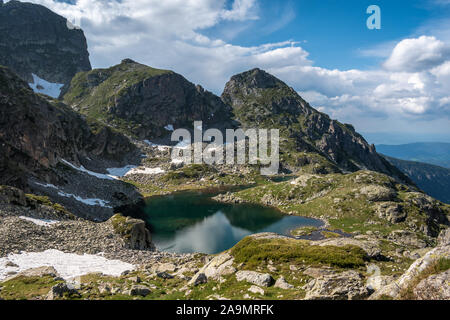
<point x="68" y="265"/>
<point x="88" y="201"/>
<point x="39" y="222"/>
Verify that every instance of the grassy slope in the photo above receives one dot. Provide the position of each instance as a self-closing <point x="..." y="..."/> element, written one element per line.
<point x="93" y="92"/>
<point x="337" y="198"/>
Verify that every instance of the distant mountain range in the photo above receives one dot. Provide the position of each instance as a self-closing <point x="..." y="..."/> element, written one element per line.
<point x="432" y="179"/>
<point x="437" y="153"/>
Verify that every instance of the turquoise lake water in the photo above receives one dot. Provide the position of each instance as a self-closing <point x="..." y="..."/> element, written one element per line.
<point x="188" y="222"/>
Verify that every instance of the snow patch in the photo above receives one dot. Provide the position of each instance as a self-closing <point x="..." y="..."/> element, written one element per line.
<point x="129" y="170"/>
<point x="68" y="265"/>
<point x="42" y="86"/>
<point x="149" y="171"/>
<point x="183" y="145"/>
<point x="169" y="127"/>
<point x="159" y="146"/>
<point x="120" y="172"/>
<point x="39" y="222"/>
<point x="88" y="201"/>
<point x="92" y="173"/>
<point x="177" y="161"/>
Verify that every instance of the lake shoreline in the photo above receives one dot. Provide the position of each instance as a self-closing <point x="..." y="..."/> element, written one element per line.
<point x="198" y="219"/>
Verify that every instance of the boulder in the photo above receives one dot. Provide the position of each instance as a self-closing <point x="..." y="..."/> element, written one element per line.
<point x="391" y="211"/>
<point x="198" y="279"/>
<point x="260" y="279"/>
<point x="435" y="287"/>
<point x="406" y="280"/>
<point x="347" y="285"/>
<point x="282" y="284"/>
<point x="166" y="267"/>
<point x="164" y="275"/>
<point x="38" y="272"/>
<point x="375" y="283"/>
<point x="378" y="193"/>
<point x="139" y="290"/>
<point x="406" y="238"/>
<point x="219" y="266"/>
<point x="11" y="195"/>
<point x="133" y="232"/>
<point x="444" y="237"/>
<point x="257" y="290"/>
<point x="60" y="290"/>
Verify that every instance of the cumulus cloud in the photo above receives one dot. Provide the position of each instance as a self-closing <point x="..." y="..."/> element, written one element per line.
<point x="411" y="86"/>
<point x="418" y="54"/>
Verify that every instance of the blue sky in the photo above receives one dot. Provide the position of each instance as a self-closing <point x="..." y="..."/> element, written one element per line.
<point x="334" y="32"/>
<point x="392" y="84"/>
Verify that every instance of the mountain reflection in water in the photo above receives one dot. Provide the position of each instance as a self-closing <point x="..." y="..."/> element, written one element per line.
<point x="192" y="222"/>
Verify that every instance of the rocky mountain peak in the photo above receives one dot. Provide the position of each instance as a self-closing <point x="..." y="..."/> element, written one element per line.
<point x="261" y="100"/>
<point x="40" y="45"/>
<point x="142" y="101"/>
<point x="128" y="61"/>
<point x="257" y="78"/>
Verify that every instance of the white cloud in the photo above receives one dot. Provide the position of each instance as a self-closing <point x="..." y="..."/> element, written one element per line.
<point x="241" y="10"/>
<point x="418" y="54"/>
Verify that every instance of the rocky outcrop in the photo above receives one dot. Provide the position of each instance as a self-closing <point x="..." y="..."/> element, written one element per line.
<point x="198" y="279"/>
<point x="139" y="290"/>
<point x="391" y="211"/>
<point x="435" y="287"/>
<point x="133" y="232"/>
<point x="348" y="285"/>
<point x="408" y="280"/>
<point x="378" y="193"/>
<point x="444" y="237"/>
<point x="35" y="134"/>
<point x="219" y="266"/>
<point x="282" y="284"/>
<point x="259" y="279"/>
<point x="377" y="282"/>
<point x="38" y="272"/>
<point x="144" y="102"/>
<point x="60" y="290"/>
<point x="261" y="100"/>
<point x="35" y="40"/>
<point x="434" y="210"/>
<point x="14" y="202"/>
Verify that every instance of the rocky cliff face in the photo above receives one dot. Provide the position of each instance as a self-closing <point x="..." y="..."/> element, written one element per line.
<point x="261" y="100"/>
<point x="143" y="101"/>
<point x="35" y="40"/>
<point x="35" y="134"/>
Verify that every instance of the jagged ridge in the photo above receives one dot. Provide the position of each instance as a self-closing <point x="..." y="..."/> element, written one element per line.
<point x="259" y="99"/>
<point x="142" y="101"/>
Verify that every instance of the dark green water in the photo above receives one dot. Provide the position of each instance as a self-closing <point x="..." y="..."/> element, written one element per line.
<point x="193" y="222"/>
